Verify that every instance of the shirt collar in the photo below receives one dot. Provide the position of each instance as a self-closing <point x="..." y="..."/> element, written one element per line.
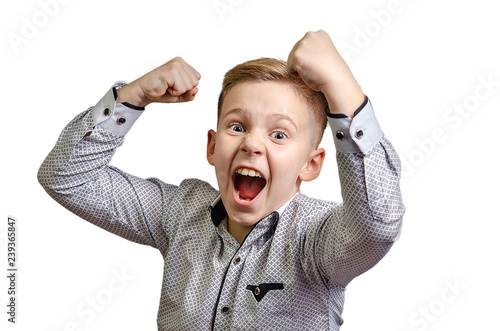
<point x="218" y="212"/>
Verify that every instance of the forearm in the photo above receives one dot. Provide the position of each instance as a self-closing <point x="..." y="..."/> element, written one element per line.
<point x="71" y="147"/>
<point x="76" y="173"/>
<point x="132" y="94"/>
<point x="372" y="210"/>
<point x="341" y="90"/>
<point x="372" y="202"/>
<point x="345" y="97"/>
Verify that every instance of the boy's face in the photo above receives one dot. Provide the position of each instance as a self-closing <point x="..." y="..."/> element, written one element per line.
<point x="262" y="150"/>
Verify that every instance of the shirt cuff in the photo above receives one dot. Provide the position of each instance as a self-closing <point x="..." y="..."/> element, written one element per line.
<point x="115" y="117"/>
<point x="357" y="134"/>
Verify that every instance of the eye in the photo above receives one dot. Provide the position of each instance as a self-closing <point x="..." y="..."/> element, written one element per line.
<point x="279" y="135"/>
<point x="236" y="127"/>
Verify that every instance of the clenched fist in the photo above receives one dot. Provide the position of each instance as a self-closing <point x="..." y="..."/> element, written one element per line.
<point x="320" y="65"/>
<point x="175" y="81"/>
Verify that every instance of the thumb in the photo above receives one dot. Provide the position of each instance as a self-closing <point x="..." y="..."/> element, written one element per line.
<point x="189" y="95"/>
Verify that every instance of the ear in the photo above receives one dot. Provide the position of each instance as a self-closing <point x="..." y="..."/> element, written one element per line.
<point x="312" y="169"/>
<point x="211" y="146"/>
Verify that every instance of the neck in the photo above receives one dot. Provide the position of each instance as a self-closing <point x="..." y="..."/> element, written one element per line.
<point x="238" y="231"/>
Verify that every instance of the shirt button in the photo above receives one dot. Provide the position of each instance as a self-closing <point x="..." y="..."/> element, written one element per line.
<point x="359" y="134"/>
<point x="225" y="310"/>
<point x="121" y="120"/>
<point x="237" y="260"/>
<point x="106" y="112"/>
<point x="340" y="135"/>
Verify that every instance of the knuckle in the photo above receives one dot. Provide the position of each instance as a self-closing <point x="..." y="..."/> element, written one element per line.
<point x="176" y="62"/>
<point x="303" y="43"/>
<point x="297" y="56"/>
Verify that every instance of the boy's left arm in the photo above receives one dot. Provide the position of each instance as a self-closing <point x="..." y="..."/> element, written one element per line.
<point x="355" y="238"/>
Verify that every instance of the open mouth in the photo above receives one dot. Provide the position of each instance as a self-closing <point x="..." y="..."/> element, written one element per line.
<point x="248" y="183"/>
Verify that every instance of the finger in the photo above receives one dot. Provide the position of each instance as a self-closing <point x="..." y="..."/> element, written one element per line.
<point x="190" y="69"/>
<point x="180" y="92"/>
<point x="194" y="76"/>
<point x="189" y="95"/>
<point x="190" y="78"/>
<point x="197" y="75"/>
<point x="178" y="86"/>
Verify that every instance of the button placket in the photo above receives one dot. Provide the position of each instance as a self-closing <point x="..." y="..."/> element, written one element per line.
<point x="229" y="287"/>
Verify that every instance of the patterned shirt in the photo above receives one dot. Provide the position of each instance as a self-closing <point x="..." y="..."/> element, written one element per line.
<point x="292" y="269"/>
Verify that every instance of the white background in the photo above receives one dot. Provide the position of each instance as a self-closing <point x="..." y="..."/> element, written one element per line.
<point x="417" y="65"/>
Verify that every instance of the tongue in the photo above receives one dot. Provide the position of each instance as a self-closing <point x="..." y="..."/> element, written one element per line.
<point x="249" y="187"/>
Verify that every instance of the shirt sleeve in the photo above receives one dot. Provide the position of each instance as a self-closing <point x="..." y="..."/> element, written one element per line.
<point x="355" y="237"/>
<point x="115" y="117"/>
<point x="359" y="134"/>
<point x="76" y="173"/>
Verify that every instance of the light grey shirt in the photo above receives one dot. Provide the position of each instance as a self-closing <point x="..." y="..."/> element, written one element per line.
<point x="291" y="271"/>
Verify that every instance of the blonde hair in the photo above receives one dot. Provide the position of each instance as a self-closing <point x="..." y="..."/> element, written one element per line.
<point x="274" y="70"/>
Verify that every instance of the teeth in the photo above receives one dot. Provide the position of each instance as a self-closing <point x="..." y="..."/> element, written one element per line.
<point x="247" y="172"/>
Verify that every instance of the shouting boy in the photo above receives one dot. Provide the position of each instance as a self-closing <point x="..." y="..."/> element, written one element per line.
<point x="256" y="253"/>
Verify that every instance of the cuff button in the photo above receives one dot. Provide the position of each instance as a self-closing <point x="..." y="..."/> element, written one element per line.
<point x="340" y="135"/>
<point x="121" y="120"/>
<point x="106" y="112"/>
<point x="359" y="134"/>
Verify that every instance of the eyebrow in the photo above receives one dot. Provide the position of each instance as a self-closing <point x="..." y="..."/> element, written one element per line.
<point x="279" y="117"/>
<point x="244" y="112"/>
<point x="239" y="111"/>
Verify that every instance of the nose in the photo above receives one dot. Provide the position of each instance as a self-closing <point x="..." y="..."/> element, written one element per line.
<point x="252" y="145"/>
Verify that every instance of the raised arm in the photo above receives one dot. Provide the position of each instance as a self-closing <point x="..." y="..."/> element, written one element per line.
<point x="361" y="232"/>
<point x="76" y="173"/>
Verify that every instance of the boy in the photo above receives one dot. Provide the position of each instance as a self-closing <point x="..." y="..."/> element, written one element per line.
<point x="255" y="254"/>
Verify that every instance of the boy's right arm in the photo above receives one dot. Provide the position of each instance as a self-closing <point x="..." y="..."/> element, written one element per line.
<point x="76" y="173"/>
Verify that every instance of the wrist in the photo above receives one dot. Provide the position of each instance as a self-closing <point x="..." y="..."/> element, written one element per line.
<point x="132" y="95"/>
<point x="344" y="97"/>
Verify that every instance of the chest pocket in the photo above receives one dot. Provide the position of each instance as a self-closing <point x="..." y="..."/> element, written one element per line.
<point x="259" y="291"/>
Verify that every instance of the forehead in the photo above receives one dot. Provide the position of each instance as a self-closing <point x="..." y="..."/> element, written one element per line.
<point x="265" y="100"/>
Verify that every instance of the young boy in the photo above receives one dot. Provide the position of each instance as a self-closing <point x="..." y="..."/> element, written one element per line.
<point x="256" y="253"/>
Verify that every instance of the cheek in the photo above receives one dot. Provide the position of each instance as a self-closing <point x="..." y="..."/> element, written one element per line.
<point x="223" y="160"/>
<point x="286" y="165"/>
<point x="221" y="168"/>
<point x="285" y="168"/>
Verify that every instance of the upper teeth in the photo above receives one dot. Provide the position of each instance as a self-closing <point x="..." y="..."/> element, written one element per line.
<point x="248" y="172"/>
